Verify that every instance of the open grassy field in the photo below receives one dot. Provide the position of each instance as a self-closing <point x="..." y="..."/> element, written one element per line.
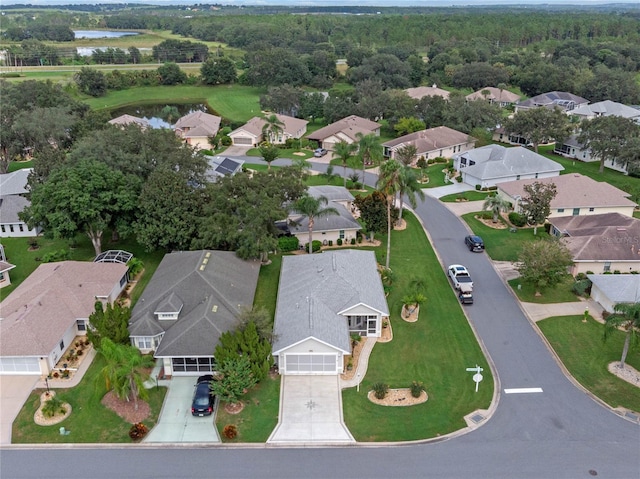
<point x="237" y="103"/>
<point x="434" y="350"/>
<point x="501" y="244"/>
<point x="90" y="421"/>
<point x="584" y="353"/>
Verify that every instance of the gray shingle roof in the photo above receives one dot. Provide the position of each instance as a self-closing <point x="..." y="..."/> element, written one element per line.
<point x="14" y="183"/>
<point x="213" y="285"/>
<point x="607" y="108"/>
<point x="10" y="206"/>
<point x="562" y="99"/>
<point x="331" y="193"/>
<point x="315" y="288"/>
<point x="496" y="161"/>
<point x="619" y="288"/>
<point x="344" y="220"/>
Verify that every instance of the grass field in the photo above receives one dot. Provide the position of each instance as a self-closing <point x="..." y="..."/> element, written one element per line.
<point x="236" y="103"/>
<point x="584" y="353"/>
<point x="560" y="293"/>
<point x="501" y="244"/>
<point x="89" y="422"/>
<point x="466" y="195"/>
<point x="434" y="350"/>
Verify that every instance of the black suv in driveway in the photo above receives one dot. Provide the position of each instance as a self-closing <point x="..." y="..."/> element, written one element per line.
<point x="474" y="243"/>
<point x="203" y="398"/>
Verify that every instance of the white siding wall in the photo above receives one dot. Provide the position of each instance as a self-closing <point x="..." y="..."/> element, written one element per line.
<point x="17" y="230"/>
<point x="598" y="267"/>
<point x="328" y="235"/>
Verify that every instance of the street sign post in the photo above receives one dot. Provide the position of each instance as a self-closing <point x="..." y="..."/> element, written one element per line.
<point x="477" y="377"/>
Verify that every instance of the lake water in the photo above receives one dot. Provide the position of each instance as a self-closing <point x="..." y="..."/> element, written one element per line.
<point x="101" y="34"/>
<point x="88" y="51"/>
<point x="161" y="115"/>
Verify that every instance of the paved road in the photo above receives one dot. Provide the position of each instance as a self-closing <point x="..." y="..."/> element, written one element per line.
<point x="560" y="432"/>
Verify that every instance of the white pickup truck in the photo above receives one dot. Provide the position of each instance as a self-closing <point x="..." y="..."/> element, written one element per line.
<point x="460" y="277"/>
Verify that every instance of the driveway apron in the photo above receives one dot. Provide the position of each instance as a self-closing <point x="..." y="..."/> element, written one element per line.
<point x="14" y="391"/>
<point x="176" y="424"/>
<point x="310" y="412"/>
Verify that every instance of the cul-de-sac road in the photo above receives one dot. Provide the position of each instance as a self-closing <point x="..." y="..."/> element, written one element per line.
<point x="560" y="432"/>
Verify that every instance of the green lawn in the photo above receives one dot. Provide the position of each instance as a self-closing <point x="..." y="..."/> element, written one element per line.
<point x="560" y="293"/>
<point x="435" y="350"/>
<point x="436" y="176"/>
<point x="237" y="103"/>
<point x="90" y="421"/>
<point x="289" y="153"/>
<point x="465" y="195"/>
<point x="582" y="350"/>
<point x="636" y="214"/>
<point x="501" y="244"/>
<point x="19" y="165"/>
<point x="259" y="417"/>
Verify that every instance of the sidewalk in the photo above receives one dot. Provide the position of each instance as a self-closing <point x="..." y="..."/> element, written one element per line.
<point x="363" y="363"/>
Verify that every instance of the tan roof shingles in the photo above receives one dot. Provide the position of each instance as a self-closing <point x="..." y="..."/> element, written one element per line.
<point x="349" y="126"/>
<point x="431" y="139"/>
<point x="291" y="125"/>
<point x="37" y="313"/>
<point x="574" y="191"/>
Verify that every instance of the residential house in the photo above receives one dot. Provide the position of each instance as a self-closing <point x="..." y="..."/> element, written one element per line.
<point x="489" y="165"/>
<point x="600" y="243"/>
<point x="250" y="134"/>
<point x="611" y="289"/>
<point x="5" y="267"/>
<point x="560" y="99"/>
<point x="126" y="120"/>
<point x="501" y="135"/>
<point x="420" y="92"/>
<point x="322" y="300"/>
<point x="441" y="141"/>
<point x="41" y="317"/>
<point x="221" y="166"/>
<point x="192" y="298"/>
<point x="606" y="108"/>
<point x="345" y="130"/>
<point x="13" y="187"/>
<point x="499" y="96"/>
<point x="197" y="127"/>
<point x="576" y="194"/>
<point x="327" y="228"/>
<point x="572" y="148"/>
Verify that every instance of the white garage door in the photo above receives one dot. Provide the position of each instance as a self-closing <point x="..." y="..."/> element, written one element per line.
<point x="311" y="363"/>
<point x="239" y="140"/>
<point x="19" y="366"/>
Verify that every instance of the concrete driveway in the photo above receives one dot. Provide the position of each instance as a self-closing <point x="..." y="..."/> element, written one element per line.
<point x="176" y="424"/>
<point x="310" y="412"/>
<point x="14" y="391"/>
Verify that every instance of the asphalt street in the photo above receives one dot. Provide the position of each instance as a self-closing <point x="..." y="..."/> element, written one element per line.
<point x="560" y="432"/>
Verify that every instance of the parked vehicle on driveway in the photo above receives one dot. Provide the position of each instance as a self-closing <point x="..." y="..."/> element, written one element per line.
<point x="319" y="152"/>
<point x="474" y="243"/>
<point x="203" y="398"/>
<point x="460" y="277"/>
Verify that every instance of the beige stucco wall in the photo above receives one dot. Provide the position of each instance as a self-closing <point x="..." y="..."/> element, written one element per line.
<point x="597" y="267"/>
<point x="326" y="235"/>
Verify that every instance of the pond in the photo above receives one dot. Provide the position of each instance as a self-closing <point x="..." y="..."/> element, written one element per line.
<point x="161" y="115"/>
<point x="101" y="34"/>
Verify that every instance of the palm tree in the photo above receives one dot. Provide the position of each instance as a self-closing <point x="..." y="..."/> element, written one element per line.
<point x="126" y="370"/>
<point x="406" y="154"/>
<point x="313" y="208"/>
<point x="497" y="205"/>
<point x="344" y="151"/>
<point x="409" y="185"/>
<point x="627" y="317"/>
<point x="369" y="150"/>
<point x="272" y="129"/>
<point x="389" y="185"/>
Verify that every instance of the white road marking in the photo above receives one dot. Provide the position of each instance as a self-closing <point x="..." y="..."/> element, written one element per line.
<point x="522" y="390"/>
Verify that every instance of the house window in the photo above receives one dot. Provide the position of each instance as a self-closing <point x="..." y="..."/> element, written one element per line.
<point x="591" y="210"/>
<point x="560" y="210"/>
<point x="576" y="211"/>
<point x="81" y="325"/>
<point x="607" y="266"/>
<point x="536" y="175"/>
<point x="463" y="162"/>
<point x="2" y="228"/>
<point x="341" y="233"/>
<point x="21" y="227"/>
<point x="11" y="228"/>
<point x="123" y="280"/>
<point x="359" y="323"/>
<point x="62" y="345"/>
<point x="143" y="342"/>
<point x="518" y="177"/>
